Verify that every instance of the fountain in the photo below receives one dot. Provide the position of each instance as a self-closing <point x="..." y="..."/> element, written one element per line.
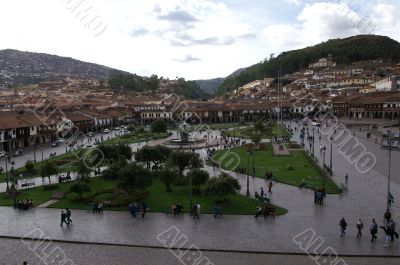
<point x="185" y="141"/>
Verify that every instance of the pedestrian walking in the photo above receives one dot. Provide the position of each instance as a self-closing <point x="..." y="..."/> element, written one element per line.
<point x="374" y="230"/>
<point x="343" y="226"/>
<point x="270" y="186"/>
<point x="262" y="192"/>
<point x="387" y="215"/>
<point x="196" y="211"/>
<point x="68" y="213"/>
<point x="63" y="218"/>
<point x="346" y="178"/>
<point x="360" y="227"/>
<point x="144" y="209"/>
<point x="388" y="234"/>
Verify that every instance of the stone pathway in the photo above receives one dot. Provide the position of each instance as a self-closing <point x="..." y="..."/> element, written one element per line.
<point x="47" y="204"/>
<point x="365" y="198"/>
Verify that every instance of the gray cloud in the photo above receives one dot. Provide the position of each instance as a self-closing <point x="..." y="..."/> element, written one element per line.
<point x="187" y="59"/>
<point x="139" y="32"/>
<point x="248" y="36"/>
<point x="186" y="40"/>
<point x="178" y="16"/>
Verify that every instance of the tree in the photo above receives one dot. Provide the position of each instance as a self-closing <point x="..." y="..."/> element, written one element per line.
<point x="259" y="125"/>
<point x="47" y="169"/>
<point x="183" y="160"/>
<point x="125" y="151"/>
<point x="152" y="83"/>
<point x="153" y="154"/>
<point x="199" y="177"/>
<point x="168" y="177"/>
<point x="159" y="126"/>
<point x="256" y="139"/>
<point x="79" y="188"/>
<point x="222" y="186"/>
<point x="82" y="169"/>
<point x="134" y="177"/>
<point x="30" y="166"/>
<point x="112" y="172"/>
<point x="113" y="153"/>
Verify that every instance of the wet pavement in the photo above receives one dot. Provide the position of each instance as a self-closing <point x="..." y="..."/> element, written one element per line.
<point x="365" y="198"/>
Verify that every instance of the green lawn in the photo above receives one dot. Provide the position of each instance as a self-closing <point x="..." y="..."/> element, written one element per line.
<point x="158" y="199"/>
<point x="247" y="132"/>
<point x="303" y="167"/>
<point x="135" y="137"/>
<point x="63" y="161"/>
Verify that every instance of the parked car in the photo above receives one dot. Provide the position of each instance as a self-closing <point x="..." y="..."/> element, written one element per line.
<point x="89" y="134"/>
<point x="19" y="152"/>
<point x="2" y="154"/>
<point x="116" y="128"/>
<point x="60" y="140"/>
<point x="55" y="144"/>
<point x="106" y="131"/>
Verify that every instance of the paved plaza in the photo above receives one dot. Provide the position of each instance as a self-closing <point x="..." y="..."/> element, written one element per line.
<point x="365" y="197"/>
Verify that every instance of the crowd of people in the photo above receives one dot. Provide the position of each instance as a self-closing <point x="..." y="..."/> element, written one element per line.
<point x="388" y="226"/>
<point x="24" y="204"/>
<point x="319" y="195"/>
<point x="97" y="207"/>
<point x="267" y="211"/>
<point x="135" y="209"/>
<point x="66" y="217"/>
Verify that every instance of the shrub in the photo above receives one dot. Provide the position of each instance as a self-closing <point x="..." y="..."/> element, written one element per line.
<point x="289" y="167"/>
<point x="80" y="188"/>
<point x="50" y="186"/>
<point x="263" y="146"/>
<point x="221" y="201"/>
<point x="30" y="166"/>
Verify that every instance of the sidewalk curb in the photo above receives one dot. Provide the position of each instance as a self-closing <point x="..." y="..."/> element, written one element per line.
<point x="199" y="249"/>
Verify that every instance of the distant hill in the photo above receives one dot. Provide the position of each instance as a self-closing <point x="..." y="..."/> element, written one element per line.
<point x="344" y="51"/>
<point x="22" y="68"/>
<point x="210" y="86"/>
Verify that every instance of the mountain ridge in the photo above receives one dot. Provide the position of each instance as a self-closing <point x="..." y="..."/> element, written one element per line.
<point x="23" y="68"/>
<point x="344" y="51"/>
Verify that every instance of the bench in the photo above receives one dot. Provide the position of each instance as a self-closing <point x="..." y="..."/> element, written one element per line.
<point x="28" y="184"/>
<point x="263" y="199"/>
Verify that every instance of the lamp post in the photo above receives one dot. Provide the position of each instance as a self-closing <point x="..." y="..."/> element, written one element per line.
<point x="248" y="172"/>
<point x="323" y="164"/>
<point x="330" y="164"/>
<point x="34" y="152"/>
<point x="252" y="153"/>
<point x="42" y="151"/>
<point x="388" y="202"/>
<point x="190" y="193"/>
<point x="313" y="142"/>
<point x="13" y="189"/>
<point x="6" y="159"/>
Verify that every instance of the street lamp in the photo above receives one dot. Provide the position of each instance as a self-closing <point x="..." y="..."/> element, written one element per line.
<point x="42" y="151"/>
<point x="330" y="165"/>
<point x="248" y="172"/>
<point x="323" y="164"/>
<point x="190" y="193"/>
<point x="313" y="142"/>
<point x="252" y="153"/>
<point x="13" y="189"/>
<point x="6" y="158"/>
<point x="34" y="152"/>
<point x="389" y="170"/>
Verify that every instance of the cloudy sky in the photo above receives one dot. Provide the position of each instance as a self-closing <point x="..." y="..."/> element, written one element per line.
<point x="189" y="38"/>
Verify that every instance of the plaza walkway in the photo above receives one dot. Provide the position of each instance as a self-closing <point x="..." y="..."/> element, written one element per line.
<point x="365" y="198"/>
